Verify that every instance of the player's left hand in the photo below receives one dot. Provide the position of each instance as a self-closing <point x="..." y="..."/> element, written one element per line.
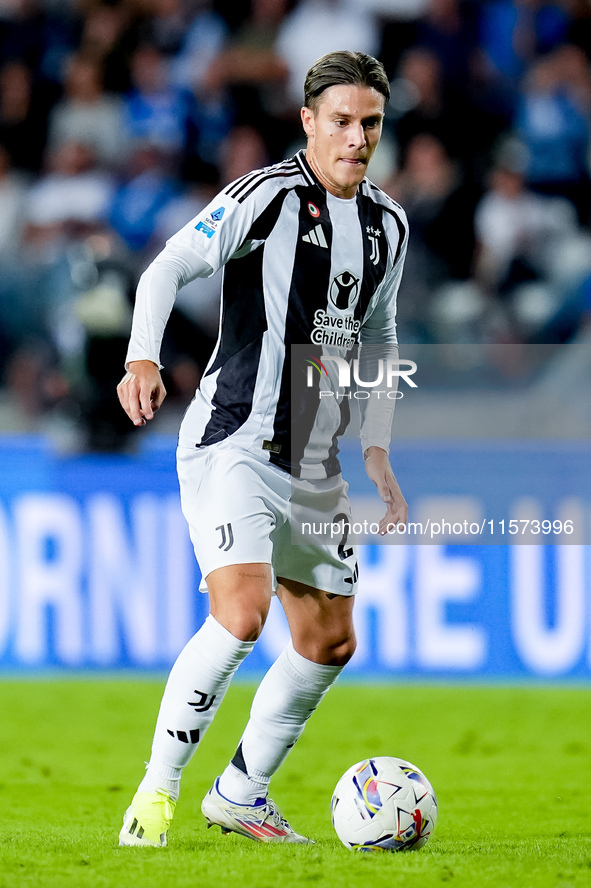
<point x="377" y="466"/>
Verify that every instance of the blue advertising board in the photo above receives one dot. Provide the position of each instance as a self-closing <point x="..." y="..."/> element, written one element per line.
<point x="97" y="569"/>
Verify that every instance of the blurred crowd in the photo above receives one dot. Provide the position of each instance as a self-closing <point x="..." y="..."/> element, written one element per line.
<point x="120" y="119"/>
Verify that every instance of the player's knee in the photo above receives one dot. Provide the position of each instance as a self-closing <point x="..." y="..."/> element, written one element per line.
<point x="245" y="626"/>
<point x="244" y="619"/>
<point x="343" y="651"/>
<point x="240" y="603"/>
<point x="336" y="651"/>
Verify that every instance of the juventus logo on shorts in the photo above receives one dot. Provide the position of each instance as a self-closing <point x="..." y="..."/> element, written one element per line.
<point x="204" y="702"/>
<point x="227" y="536"/>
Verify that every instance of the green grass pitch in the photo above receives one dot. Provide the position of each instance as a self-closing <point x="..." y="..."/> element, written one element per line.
<point x="511" y="767"/>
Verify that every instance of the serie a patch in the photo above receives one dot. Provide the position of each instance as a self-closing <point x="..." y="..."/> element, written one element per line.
<point x="208" y="227"/>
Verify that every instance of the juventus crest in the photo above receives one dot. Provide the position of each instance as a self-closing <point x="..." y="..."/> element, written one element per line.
<point x="374" y="236"/>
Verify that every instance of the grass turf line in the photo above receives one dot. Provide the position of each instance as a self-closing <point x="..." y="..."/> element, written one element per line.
<point x="511" y="767"/>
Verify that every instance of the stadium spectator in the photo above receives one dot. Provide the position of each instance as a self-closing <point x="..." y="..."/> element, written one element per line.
<point x="203" y="40"/>
<point x="69" y="202"/>
<point x="315" y="27"/>
<point x="87" y="114"/>
<point x="515" y="228"/>
<point x="249" y="56"/>
<point x="447" y="30"/>
<point x="252" y="74"/>
<point x="514" y="33"/>
<point x="573" y="66"/>
<point x="166" y="25"/>
<point x="66" y="206"/>
<point x="108" y="36"/>
<point x="422" y="104"/>
<point x="156" y="110"/>
<point x="579" y="27"/>
<point x="13" y="196"/>
<point x="33" y="388"/>
<point x="440" y="210"/>
<point x="145" y="191"/>
<point x="243" y="147"/>
<point x="18" y="312"/>
<point x="205" y="37"/>
<point x="398" y="20"/>
<point x="29" y="32"/>
<point x="441" y="84"/>
<point x="552" y="121"/>
<point x="531" y="258"/>
<point x="23" y="116"/>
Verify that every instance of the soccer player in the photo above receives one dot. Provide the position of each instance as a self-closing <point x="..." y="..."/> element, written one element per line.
<point x="312" y="253"/>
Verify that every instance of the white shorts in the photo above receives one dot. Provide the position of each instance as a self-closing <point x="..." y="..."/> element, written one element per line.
<point x="241" y="510"/>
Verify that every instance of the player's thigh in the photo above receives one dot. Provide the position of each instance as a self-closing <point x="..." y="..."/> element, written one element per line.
<point x="240" y="596"/>
<point x="232" y="504"/>
<point x="320" y="623"/>
<point x="315" y="548"/>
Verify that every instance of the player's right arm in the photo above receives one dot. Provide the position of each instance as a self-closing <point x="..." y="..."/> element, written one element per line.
<point x="141" y="391"/>
<point x="197" y="250"/>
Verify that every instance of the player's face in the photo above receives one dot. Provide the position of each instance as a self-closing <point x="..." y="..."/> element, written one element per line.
<point x="343" y="134"/>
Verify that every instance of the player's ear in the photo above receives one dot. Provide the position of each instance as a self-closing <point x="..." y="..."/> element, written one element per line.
<point x="308" y="121"/>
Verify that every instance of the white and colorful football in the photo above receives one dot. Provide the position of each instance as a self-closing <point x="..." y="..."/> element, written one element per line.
<point x="383" y="804"/>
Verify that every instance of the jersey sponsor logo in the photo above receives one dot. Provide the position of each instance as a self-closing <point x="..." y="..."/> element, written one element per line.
<point x="205" y="229"/>
<point x="313" y="209"/>
<point x="316" y="237"/>
<point x="331" y="330"/>
<point x="209" y="226"/>
<point x="344" y="291"/>
<point x="340" y="329"/>
<point x="374" y="235"/>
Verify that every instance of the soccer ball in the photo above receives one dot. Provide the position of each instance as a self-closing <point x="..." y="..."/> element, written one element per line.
<point x="383" y="804"/>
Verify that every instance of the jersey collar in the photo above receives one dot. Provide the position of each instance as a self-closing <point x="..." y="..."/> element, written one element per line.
<point x="309" y="175"/>
<point x="300" y="159"/>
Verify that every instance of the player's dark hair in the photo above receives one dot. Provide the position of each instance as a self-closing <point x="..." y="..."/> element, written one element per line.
<point x="340" y="67"/>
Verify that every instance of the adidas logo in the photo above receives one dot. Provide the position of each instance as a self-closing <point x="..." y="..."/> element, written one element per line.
<point x="316" y="236"/>
<point x="191" y="737"/>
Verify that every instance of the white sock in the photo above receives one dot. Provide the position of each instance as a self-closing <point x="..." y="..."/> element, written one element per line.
<point x="196" y="686"/>
<point x="287" y="696"/>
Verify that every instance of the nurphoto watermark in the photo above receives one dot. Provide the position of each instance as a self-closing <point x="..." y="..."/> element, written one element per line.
<point x="336" y="389"/>
<point x="342" y="377"/>
<point x="490" y="445"/>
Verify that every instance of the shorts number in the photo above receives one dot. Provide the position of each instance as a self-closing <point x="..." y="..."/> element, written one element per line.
<point x="343" y="553"/>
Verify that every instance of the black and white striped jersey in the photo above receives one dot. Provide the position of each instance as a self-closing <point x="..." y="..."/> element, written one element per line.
<point x="301" y="268"/>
